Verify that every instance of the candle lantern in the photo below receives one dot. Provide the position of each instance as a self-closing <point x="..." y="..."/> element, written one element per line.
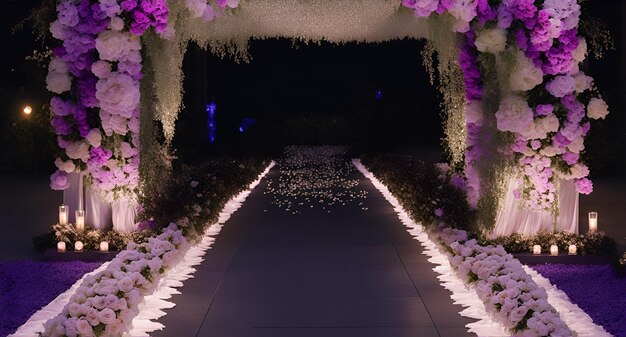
<point x="63" y="213"/>
<point x="593" y="222"/>
<point x="571" y="250"/>
<point x="536" y="249"/>
<point x="80" y="220"/>
<point x="78" y="246"/>
<point x="61" y="246"/>
<point x="104" y="246"/>
<point x="554" y="250"/>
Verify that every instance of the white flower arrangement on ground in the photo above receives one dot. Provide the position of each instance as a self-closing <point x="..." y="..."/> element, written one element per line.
<point x="106" y="303"/>
<point x="508" y="292"/>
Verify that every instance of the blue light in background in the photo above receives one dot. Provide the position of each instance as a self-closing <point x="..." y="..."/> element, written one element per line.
<point x="379" y="95"/>
<point x="246" y="123"/>
<point x="211" y="108"/>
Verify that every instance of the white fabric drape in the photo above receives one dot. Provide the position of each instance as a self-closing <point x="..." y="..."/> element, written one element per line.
<point x="124" y="212"/>
<point x="97" y="211"/>
<point x="513" y="218"/>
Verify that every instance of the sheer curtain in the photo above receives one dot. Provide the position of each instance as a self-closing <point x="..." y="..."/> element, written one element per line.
<point x="513" y="218"/>
<point x="99" y="214"/>
<point x="124" y="214"/>
<point x="97" y="211"/>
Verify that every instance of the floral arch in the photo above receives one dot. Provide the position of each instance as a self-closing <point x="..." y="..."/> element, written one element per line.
<point x="516" y="102"/>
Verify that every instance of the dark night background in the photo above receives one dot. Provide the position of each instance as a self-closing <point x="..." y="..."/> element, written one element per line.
<point x="370" y="96"/>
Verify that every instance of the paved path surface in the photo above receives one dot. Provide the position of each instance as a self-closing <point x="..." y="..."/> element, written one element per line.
<point x="348" y="273"/>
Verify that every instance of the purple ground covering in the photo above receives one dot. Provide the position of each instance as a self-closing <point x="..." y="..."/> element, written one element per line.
<point x="595" y="289"/>
<point x="26" y="286"/>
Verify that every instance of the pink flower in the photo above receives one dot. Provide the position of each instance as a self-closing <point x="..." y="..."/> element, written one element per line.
<point x="584" y="186"/>
<point x="439" y="212"/>
<point x="58" y="181"/>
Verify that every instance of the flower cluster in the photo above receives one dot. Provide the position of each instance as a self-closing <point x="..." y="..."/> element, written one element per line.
<point x="95" y="73"/>
<point x="209" y="11"/>
<point x="106" y="303"/>
<point x="548" y="103"/>
<point x="508" y="292"/>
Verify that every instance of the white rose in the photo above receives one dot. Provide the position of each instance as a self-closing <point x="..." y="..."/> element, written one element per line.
<point x="78" y="150"/>
<point x="75" y="309"/>
<point x="92" y="317"/>
<point x="561" y="86"/>
<point x="514" y="114"/>
<point x="525" y="74"/>
<point x="84" y="328"/>
<point x="582" y="82"/>
<point x="94" y="137"/>
<point x="474" y="113"/>
<point x="577" y="145"/>
<point x="196" y="7"/>
<point x="581" y="52"/>
<point x="126" y="284"/>
<point x="597" y="109"/>
<point x="58" y="65"/>
<point x="58" y="30"/>
<point x="66" y="166"/>
<point x="491" y="40"/>
<point x="113" y="45"/>
<point x="117" y="23"/>
<point x="101" y="69"/>
<point x="118" y="94"/>
<point x="107" y="316"/>
<point x="58" y="82"/>
<point x="549" y="151"/>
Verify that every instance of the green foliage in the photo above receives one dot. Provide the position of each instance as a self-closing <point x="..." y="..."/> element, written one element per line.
<point x="90" y="238"/>
<point x="589" y="244"/>
<point x="195" y="208"/>
<point x="421" y="189"/>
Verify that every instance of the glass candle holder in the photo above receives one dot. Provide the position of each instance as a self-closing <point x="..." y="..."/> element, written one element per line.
<point x="554" y="250"/>
<point x="63" y="213"/>
<point x="571" y="250"/>
<point x="61" y="246"/>
<point x="593" y="222"/>
<point x="80" y="220"/>
<point x="78" y="246"/>
<point x="536" y="249"/>
<point x="104" y="246"/>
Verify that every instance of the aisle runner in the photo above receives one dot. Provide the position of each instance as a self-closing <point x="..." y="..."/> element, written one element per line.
<point x="461" y="294"/>
<point x="575" y="318"/>
<point x="152" y="308"/>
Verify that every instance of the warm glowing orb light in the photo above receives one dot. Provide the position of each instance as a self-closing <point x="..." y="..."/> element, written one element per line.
<point x="28" y="110"/>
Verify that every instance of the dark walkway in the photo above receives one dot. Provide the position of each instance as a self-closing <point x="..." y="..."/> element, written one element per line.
<point x="347" y="273"/>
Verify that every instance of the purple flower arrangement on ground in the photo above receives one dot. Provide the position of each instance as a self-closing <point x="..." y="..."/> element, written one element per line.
<point x="594" y="288"/>
<point x="26" y="286"/>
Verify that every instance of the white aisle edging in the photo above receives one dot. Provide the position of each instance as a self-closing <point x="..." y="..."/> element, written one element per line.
<point x="153" y="306"/>
<point x="575" y="318"/>
<point x="461" y="293"/>
<point x="155" y="303"/>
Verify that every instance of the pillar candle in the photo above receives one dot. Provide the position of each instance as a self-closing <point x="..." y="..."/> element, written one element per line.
<point x="63" y="213"/>
<point x="554" y="250"/>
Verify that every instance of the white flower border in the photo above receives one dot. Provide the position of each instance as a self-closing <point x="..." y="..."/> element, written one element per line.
<point x="155" y="295"/>
<point x="468" y="297"/>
